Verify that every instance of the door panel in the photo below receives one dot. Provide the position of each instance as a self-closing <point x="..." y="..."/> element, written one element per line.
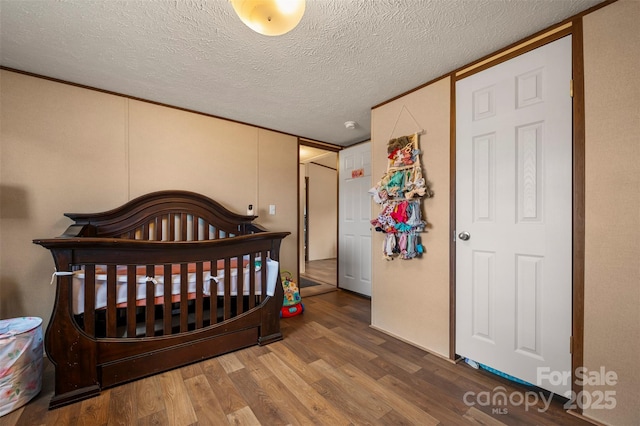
<point x="513" y="196"/>
<point x="354" y="265"/>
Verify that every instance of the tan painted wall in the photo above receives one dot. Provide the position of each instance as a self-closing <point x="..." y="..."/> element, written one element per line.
<point x="62" y="150"/>
<point x="173" y="149"/>
<point x="68" y="149"/>
<point x="410" y="298"/>
<point x="278" y="184"/>
<point x="612" y="249"/>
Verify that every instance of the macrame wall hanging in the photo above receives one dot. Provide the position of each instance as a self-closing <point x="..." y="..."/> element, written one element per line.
<point x="400" y="193"/>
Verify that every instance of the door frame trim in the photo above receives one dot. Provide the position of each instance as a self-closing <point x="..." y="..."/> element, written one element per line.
<point x="571" y="27"/>
<point x="579" y="137"/>
<point x="326" y="147"/>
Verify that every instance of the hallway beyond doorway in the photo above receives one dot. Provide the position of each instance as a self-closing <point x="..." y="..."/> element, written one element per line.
<point x="322" y="271"/>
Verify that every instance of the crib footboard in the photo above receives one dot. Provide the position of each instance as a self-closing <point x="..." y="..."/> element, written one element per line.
<point x="126" y="309"/>
<point x="167" y="279"/>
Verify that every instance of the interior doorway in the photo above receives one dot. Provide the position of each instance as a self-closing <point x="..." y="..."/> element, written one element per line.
<point x="318" y="218"/>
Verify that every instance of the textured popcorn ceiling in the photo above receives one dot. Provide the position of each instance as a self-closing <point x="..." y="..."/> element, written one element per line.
<point x="345" y="56"/>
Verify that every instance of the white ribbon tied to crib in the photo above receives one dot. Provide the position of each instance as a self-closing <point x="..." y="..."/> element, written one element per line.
<point x="58" y="274"/>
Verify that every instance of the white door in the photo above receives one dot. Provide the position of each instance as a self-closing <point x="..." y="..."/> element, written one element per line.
<point x="514" y="201"/>
<point x="354" y="227"/>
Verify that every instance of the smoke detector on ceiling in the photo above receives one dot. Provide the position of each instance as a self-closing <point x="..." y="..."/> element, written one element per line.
<point x="350" y="125"/>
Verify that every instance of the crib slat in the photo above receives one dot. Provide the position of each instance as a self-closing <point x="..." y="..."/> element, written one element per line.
<point x="171" y="225"/>
<point x="199" y="292"/>
<point x="131" y="301"/>
<point x="166" y="307"/>
<point x="111" y="300"/>
<point x="240" y="286"/>
<point x="264" y="255"/>
<point x="157" y="228"/>
<point x="252" y="280"/>
<point x="183" y="227"/>
<point x="90" y="299"/>
<point x="150" y="318"/>
<point x="213" y="300"/>
<point x="227" y="288"/>
<point x="184" y="311"/>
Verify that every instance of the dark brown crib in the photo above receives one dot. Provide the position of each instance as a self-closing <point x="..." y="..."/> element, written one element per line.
<point x="167" y="279"/>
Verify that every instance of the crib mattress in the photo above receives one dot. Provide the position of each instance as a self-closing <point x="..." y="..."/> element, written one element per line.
<point x="211" y="282"/>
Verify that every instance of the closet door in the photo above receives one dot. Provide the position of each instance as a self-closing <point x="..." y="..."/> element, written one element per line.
<point x="513" y="216"/>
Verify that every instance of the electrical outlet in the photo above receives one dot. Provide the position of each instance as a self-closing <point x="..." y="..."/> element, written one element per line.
<point x="272" y="209"/>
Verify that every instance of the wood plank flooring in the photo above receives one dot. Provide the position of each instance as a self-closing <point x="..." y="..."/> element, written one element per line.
<point x="325" y="272"/>
<point x="330" y="369"/>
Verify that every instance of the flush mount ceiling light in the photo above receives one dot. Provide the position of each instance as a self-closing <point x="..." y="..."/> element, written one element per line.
<point x="270" y="17"/>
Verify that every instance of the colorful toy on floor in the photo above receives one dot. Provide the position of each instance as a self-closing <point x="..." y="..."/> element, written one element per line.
<point x="291" y="311"/>
<point x="292" y="302"/>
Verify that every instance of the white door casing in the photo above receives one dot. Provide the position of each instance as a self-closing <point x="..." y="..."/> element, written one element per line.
<point x="354" y="226"/>
<point x="514" y="198"/>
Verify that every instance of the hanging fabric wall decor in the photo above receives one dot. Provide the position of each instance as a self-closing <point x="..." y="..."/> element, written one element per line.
<point x="399" y="193"/>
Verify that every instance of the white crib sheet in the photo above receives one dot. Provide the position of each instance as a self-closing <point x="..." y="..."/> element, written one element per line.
<point x="158" y="282"/>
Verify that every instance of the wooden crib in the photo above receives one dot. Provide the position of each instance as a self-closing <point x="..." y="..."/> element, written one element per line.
<point x="167" y="279"/>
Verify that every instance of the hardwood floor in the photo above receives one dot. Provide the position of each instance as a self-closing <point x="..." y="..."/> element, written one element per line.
<point x="330" y="369"/>
<point x="325" y="272"/>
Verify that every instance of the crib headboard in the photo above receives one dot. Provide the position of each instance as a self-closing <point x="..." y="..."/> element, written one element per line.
<point x="172" y="215"/>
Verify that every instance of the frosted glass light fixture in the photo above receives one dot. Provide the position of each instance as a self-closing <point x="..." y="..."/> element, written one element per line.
<point x="270" y="17"/>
